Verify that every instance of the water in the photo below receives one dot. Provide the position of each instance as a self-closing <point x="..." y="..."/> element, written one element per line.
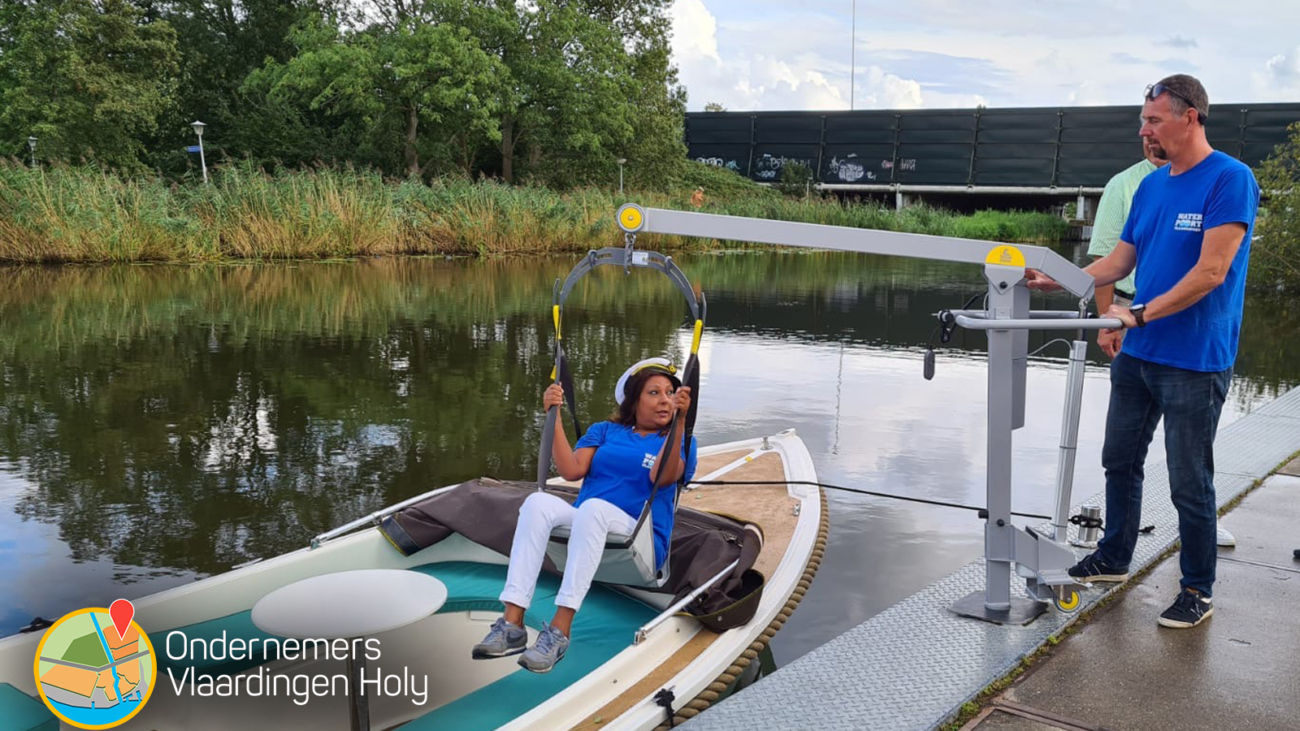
<point x="163" y="423"/>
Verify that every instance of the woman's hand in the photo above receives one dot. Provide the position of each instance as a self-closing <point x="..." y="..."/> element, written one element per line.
<point x="553" y="396"/>
<point x="682" y="399"/>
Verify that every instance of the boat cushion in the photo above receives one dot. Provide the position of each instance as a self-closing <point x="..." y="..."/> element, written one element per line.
<point x="604" y="627"/>
<point x="21" y="712"/>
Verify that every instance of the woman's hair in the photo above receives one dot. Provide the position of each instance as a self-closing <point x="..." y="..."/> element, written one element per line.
<point x="625" y="413"/>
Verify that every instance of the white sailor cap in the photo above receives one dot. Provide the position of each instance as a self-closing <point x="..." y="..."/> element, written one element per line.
<point x="663" y="366"/>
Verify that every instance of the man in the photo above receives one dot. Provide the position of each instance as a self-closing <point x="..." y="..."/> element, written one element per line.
<point x="1112" y="212"/>
<point x="1189" y="237"/>
<point x="697" y="198"/>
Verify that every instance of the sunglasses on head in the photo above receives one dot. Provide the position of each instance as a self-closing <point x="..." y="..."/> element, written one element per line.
<point x="1155" y="90"/>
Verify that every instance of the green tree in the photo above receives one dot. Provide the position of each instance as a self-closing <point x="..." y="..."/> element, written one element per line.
<point x="221" y="43"/>
<point x="90" y="78"/>
<point x="414" y="90"/>
<point x="795" y="179"/>
<point x="1275" y="261"/>
<point x="714" y="107"/>
<point x="567" y="100"/>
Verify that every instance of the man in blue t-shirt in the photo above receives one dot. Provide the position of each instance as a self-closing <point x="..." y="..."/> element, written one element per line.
<point x="1188" y="234"/>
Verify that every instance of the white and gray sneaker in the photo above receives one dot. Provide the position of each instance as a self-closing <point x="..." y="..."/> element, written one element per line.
<point x="1223" y="538"/>
<point x="549" y="649"/>
<point x="503" y="640"/>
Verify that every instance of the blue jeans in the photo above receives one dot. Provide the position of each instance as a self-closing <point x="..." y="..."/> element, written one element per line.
<point x="1141" y="392"/>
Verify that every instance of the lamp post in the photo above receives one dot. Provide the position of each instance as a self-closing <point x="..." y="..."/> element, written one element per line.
<point x="198" y="130"/>
<point x="853" y="53"/>
<point x="621" y="161"/>
<point x="31" y="142"/>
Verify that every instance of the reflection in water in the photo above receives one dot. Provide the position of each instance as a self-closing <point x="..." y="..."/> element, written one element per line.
<point x="161" y="423"/>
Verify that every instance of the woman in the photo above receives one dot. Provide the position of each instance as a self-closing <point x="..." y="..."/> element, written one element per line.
<point x="619" y="461"/>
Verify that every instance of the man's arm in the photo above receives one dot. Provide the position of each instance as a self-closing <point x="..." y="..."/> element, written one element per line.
<point x="1114" y="266"/>
<point x="1107" y="270"/>
<point x="1218" y="249"/>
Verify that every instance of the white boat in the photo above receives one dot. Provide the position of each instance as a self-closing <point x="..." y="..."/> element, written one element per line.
<point x="644" y="652"/>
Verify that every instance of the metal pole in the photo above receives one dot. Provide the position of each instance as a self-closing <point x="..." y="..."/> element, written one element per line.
<point x="203" y="162"/>
<point x="853" y="53"/>
<point x="31" y="142"/>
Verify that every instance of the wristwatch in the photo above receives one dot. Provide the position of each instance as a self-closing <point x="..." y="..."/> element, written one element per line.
<point x="1138" y="314"/>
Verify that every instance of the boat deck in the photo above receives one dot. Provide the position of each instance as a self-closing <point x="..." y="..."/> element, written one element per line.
<point x="914" y="665"/>
<point x="768" y="506"/>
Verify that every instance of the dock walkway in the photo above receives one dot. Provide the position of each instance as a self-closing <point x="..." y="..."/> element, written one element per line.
<point x="916" y="664"/>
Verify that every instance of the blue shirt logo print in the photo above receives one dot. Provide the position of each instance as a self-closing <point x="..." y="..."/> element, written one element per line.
<point x="1190" y="222"/>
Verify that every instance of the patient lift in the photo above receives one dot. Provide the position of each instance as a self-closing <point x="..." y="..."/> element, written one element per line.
<point x="1041" y="560"/>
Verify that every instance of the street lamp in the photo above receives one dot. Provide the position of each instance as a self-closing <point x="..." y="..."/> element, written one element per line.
<point x="31" y="142"/>
<point x="198" y="130"/>
<point x="621" y="161"/>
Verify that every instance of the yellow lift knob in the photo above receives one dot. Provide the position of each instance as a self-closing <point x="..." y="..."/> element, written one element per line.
<point x="631" y="217"/>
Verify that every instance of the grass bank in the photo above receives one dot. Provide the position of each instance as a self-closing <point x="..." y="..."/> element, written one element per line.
<point x="80" y="214"/>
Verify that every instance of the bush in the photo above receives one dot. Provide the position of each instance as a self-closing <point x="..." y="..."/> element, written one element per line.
<point x="1275" y="260"/>
<point x="795" y="179"/>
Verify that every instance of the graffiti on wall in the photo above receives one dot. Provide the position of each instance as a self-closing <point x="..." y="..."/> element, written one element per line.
<point x="768" y="167"/>
<point x="849" y="169"/>
<point x="719" y="162"/>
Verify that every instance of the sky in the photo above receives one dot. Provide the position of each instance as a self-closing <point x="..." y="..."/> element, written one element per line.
<point x="750" y="55"/>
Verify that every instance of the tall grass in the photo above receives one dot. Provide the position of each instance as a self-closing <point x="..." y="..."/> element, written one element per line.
<point x="81" y="214"/>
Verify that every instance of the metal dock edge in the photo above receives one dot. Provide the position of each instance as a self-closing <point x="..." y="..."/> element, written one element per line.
<point x="914" y="665"/>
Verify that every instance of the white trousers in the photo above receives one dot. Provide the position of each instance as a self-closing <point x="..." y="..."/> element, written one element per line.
<point x="589" y="524"/>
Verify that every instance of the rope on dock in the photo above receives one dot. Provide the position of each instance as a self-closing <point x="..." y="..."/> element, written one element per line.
<point x="719" y="686"/>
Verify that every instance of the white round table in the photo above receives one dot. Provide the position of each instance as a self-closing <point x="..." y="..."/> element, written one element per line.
<point x="349" y="605"/>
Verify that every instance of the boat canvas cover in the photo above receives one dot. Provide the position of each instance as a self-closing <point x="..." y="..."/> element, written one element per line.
<point x="485" y="511"/>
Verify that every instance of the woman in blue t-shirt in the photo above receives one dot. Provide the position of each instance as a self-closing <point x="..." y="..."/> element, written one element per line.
<point x="619" y="461"/>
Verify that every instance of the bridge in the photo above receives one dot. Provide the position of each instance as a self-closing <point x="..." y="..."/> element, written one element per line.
<point x="1056" y="152"/>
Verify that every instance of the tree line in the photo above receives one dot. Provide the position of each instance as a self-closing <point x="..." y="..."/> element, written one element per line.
<point x="552" y="91"/>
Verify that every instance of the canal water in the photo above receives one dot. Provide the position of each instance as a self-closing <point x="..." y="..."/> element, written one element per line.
<point x="163" y="423"/>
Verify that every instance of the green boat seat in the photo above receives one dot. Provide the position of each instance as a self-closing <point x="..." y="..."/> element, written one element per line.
<point x="603" y="628"/>
<point x="21" y="712"/>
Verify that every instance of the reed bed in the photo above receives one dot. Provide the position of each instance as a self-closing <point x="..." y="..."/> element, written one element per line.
<point x="69" y="214"/>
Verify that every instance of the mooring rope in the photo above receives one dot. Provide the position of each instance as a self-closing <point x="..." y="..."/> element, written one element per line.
<point x="860" y="491"/>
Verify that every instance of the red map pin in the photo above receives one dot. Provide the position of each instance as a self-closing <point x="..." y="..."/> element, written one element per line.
<point x="121" y="611"/>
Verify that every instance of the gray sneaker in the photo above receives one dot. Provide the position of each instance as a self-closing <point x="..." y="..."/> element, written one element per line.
<point x="549" y="649"/>
<point x="504" y="640"/>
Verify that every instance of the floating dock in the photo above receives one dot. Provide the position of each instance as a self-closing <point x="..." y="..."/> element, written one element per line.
<point x="913" y="666"/>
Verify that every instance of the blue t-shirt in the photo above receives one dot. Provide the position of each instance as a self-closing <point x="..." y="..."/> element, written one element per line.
<point x="620" y="474"/>
<point x="1166" y="225"/>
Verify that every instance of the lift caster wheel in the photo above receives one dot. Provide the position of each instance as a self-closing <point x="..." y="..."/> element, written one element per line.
<point x="1069" y="602"/>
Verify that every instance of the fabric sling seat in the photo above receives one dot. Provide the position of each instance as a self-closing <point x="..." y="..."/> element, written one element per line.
<point x="627" y="559"/>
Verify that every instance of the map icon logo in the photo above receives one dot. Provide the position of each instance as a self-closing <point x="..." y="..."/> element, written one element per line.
<point x="90" y="675"/>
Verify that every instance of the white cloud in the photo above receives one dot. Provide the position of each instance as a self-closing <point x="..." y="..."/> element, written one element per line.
<point x="695" y="32"/>
<point x="787" y="68"/>
<point x="771" y="54"/>
<point x="1285" y="67"/>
